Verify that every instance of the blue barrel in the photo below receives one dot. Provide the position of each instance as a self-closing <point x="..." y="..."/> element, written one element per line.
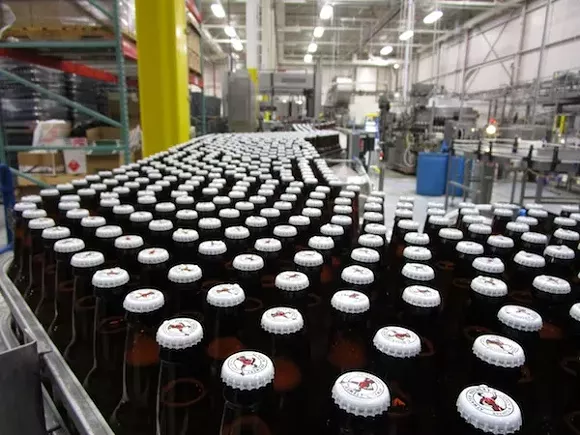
<point x="432" y="172"/>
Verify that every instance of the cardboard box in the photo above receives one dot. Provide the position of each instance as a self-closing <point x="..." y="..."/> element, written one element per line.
<point x="40" y="162"/>
<point x="107" y="162"/>
<point x="193" y="42"/>
<point x="132" y="105"/>
<point x="103" y="133"/>
<point x="53" y="180"/>
<point x="22" y="11"/>
<point x="57" y="13"/>
<point x="193" y="62"/>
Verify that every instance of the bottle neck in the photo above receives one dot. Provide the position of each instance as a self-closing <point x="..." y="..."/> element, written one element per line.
<point x="222" y="328"/>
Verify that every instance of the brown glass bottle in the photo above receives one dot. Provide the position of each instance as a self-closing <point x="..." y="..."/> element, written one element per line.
<point x="36" y="260"/>
<point x="186" y="218"/>
<point x="566" y="237"/>
<point x="89" y="227"/>
<point x="434" y="224"/>
<point x="478" y="233"/>
<point x="19" y="229"/>
<point x="185" y="244"/>
<point x="154" y="264"/>
<point x="139" y="223"/>
<point x="403" y="226"/>
<point x="63" y="208"/>
<point x="50" y="199"/>
<point x="126" y="250"/>
<point x="272" y="214"/>
<point x="160" y="232"/>
<point x="45" y="309"/>
<point x="284" y="339"/>
<point x="258" y="227"/>
<point x="106" y="208"/>
<point x="79" y="352"/>
<point x="183" y="391"/>
<point x="524" y="268"/>
<point x="21" y="281"/>
<point x="213" y="256"/>
<point x="501" y="217"/>
<point x="73" y="221"/>
<point x="184" y="297"/>
<point x="104" y="382"/>
<point x="106" y="236"/>
<point x="560" y="261"/>
<point x="61" y="327"/>
<point x="315" y="216"/>
<point x="89" y="199"/>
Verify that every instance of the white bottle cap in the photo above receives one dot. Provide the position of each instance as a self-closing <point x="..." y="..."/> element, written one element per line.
<point x="270" y="212"/>
<point x="108" y="231"/>
<point x="331" y="230"/>
<point x="147" y="199"/>
<point x="123" y="209"/>
<point x="529" y="259"/>
<point x="87" y="259"/>
<point x="498" y="241"/>
<point x="67" y="205"/>
<point x="282" y="320"/>
<point x="248" y="262"/>
<point x="317" y="195"/>
<point x="487" y="286"/>
<point x="374" y="207"/>
<point x="141" y="216"/>
<point x="415" y="238"/>
<point x="489" y="410"/>
<point x="212" y="247"/>
<point x="533" y="237"/>
<point x="365" y="255"/>
<point x="21" y="206"/>
<point x="503" y="212"/>
<point x="321" y="242"/>
<point x="470" y="248"/>
<point x="268" y="244"/>
<point x="575" y="312"/>
<point x="418" y="272"/>
<point x="129" y="242"/>
<point x="186" y="214"/>
<point x="417" y="253"/>
<point x="165" y="207"/>
<point x="311" y="212"/>
<point x="179" y="333"/>
<point x="185" y="235"/>
<point x="256" y="221"/>
<point x="184" y="273"/>
<point x="55" y="233"/>
<point x="451" y="234"/>
<point x="144" y="300"/>
<point x="237" y="233"/>
<point x="498" y="351"/>
<point x="421" y="296"/>
<point x="285" y="231"/>
<point x="357" y="275"/>
<point x="552" y="285"/>
<point x="291" y="281"/>
<point x="229" y="213"/>
<point x="371" y="241"/>
<point x="205" y="206"/>
<point x="538" y="213"/>
<point x="518" y="227"/>
<point x="225" y="295"/>
<point x="247" y="370"/>
<point x="404" y="213"/>
<point x="528" y="220"/>
<point x="299" y="220"/>
<point x="469" y="211"/>
<point x="35" y="199"/>
<point x="397" y="342"/>
<point x="361" y="394"/>
<point x="488" y="265"/>
<point x="408" y="224"/>
<point x="209" y="223"/>
<point x="153" y="256"/>
<point x="110" y="278"/>
<point x="404" y="204"/>
<point x="561" y="252"/>
<point x="435" y="212"/>
<point x="374" y="228"/>
<point x="41" y="223"/>
<point x="67" y="246"/>
<point x="564" y="222"/>
<point x="283" y="205"/>
<point x="568" y="235"/>
<point x="520" y="318"/>
<point x="480" y="229"/>
<point x="92" y="221"/>
<point x="49" y="192"/>
<point x="244" y="206"/>
<point x="308" y="259"/>
<point x="350" y="302"/>
<point x="341" y="219"/>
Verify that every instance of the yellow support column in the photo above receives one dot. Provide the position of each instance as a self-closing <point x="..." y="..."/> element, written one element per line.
<point x="163" y="73"/>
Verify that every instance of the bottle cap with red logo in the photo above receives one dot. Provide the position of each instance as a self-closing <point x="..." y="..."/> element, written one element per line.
<point x="564" y="222"/>
<point x="308" y="259"/>
<point x="311" y="212"/>
<point x="186" y="215"/>
<point x="469" y="248"/>
<point x="247" y="370"/>
<point x="489" y="286"/>
<point x="361" y="394"/>
<point x="488" y="265"/>
<point x="129" y="242"/>
<point x="568" y="235"/>
<point x="498" y="351"/>
<point x="450" y="234"/>
<point x="357" y="275"/>
<point x="185" y="235"/>
<point x="397" y="342"/>
<point x="291" y="281"/>
<point x="561" y="252"/>
<point x="110" y="278"/>
<point x="529" y="259"/>
<point x="87" y="259"/>
<point x="248" y="262"/>
<point x="520" y="318"/>
<point x="68" y="246"/>
<point x="552" y="285"/>
<point x="418" y="272"/>
<point x="153" y="256"/>
<point x="143" y="300"/>
<point x="350" y="302"/>
<point x="108" y="231"/>
<point x="179" y="333"/>
<point x="421" y="296"/>
<point x="575" y="312"/>
<point x="184" y="273"/>
<point x="268" y="244"/>
<point x="321" y="242"/>
<point x="92" y="221"/>
<point x="225" y="295"/>
<point x="282" y="320"/>
<point x="489" y="410"/>
<point x="365" y="255"/>
<point x="212" y="247"/>
<point x="285" y="231"/>
<point x="331" y="230"/>
<point x="417" y="253"/>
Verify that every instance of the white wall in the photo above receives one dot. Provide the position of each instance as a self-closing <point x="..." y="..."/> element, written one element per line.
<point x="487" y="71"/>
<point x="213" y="76"/>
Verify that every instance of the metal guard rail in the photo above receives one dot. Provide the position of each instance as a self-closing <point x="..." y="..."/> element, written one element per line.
<point x="80" y="408"/>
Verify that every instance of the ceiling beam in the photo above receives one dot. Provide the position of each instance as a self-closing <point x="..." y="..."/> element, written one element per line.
<point x="305" y="43"/>
<point x="295" y="29"/>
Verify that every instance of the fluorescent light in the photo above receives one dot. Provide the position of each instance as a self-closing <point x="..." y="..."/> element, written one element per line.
<point x="326" y="12"/>
<point x="230" y="31"/>
<point x="237" y="45"/>
<point x="312" y="47"/>
<point x="407" y="34"/>
<point x="218" y="10"/>
<point x="396" y="66"/>
<point x="491" y="130"/>
<point x="308" y="58"/>
<point x="432" y="17"/>
<point x="386" y="50"/>
<point x="318" y="32"/>
<point x="343" y="80"/>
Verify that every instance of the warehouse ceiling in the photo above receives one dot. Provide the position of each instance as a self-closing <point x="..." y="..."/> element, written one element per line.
<point x="357" y="29"/>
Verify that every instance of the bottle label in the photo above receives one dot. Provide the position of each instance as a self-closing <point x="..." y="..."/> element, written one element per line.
<point x="489" y="401"/>
<point x="362" y="386"/>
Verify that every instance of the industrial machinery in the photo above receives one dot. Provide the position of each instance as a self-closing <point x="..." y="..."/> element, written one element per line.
<point x="338" y="99"/>
<point x="240" y="104"/>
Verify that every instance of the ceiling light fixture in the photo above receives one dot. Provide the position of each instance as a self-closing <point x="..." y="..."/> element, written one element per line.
<point x="318" y="32"/>
<point x="406" y="35"/>
<point x="230" y="31"/>
<point x="218" y="10"/>
<point x="237" y="45"/>
<point x="326" y="12"/>
<point x="432" y="17"/>
<point x="308" y="58"/>
<point x="396" y="65"/>
<point x="386" y="50"/>
<point x="312" y="47"/>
